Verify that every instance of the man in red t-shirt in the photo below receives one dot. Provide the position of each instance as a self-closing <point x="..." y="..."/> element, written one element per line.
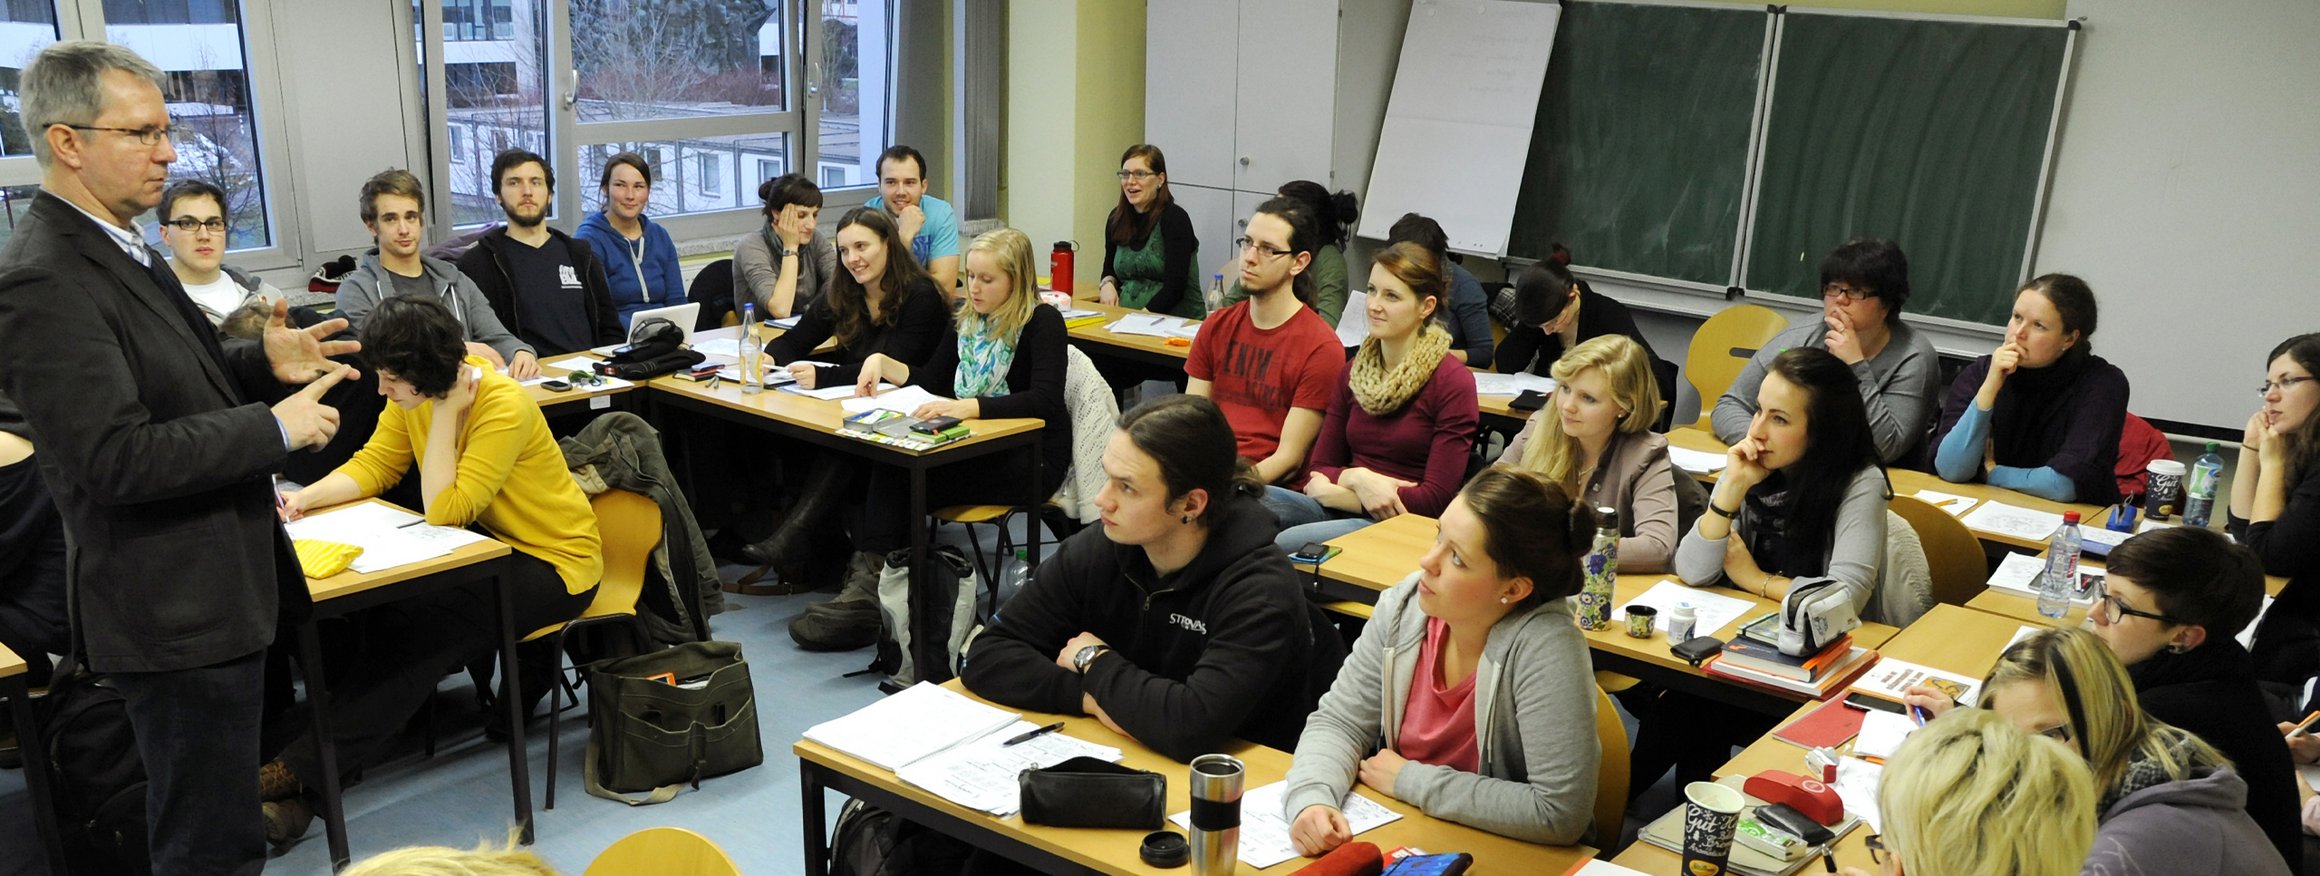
<point x="1270" y="362"/>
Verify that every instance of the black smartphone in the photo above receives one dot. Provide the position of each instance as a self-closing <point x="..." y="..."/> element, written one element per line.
<point x="934" y="425"/>
<point x="1865" y="702"/>
<point x="1446" y="864"/>
<point x="1313" y="552"/>
<point x="1789" y="820"/>
<point x="556" y="385"/>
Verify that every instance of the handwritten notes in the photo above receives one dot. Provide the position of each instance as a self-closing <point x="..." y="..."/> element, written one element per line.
<point x="1265" y="831"/>
<point x="1998" y="518"/>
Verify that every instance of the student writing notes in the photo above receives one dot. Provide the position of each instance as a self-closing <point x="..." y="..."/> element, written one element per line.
<point x="637" y="254"/>
<point x="2042" y="413"/>
<point x="1176" y="622"/>
<point x="1594" y="440"/>
<point x="2275" y="506"/>
<point x="1400" y="426"/>
<point x="1151" y="258"/>
<point x="1547" y="312"/>
<point x="1475" y="677"/>
<point x="1970" y="795"/>
<point x="1333" y="216"/>
<point x="1270" y="362"/>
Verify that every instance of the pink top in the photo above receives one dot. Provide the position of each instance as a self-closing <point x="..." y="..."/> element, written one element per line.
<point x="1438" y="722"/>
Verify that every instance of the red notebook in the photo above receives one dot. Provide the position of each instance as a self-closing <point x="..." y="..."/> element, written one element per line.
<point x="1826" y="727"/>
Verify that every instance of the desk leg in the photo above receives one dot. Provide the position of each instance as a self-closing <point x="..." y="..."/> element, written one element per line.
<point x="926" y="649"/>
<point x="512" y="699"/>
<point x="814" y="823"/>
<point x="326" y="750"/>
<point x="28" y="743"/>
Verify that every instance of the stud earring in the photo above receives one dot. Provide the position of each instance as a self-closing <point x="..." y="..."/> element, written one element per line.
<point x="2177" y="648"/>
<point x="1502" y="600"/>
<point x="1187" y="518"/>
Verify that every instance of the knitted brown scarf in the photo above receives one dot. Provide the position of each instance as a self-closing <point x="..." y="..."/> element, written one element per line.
<point x="1382" y="390"/>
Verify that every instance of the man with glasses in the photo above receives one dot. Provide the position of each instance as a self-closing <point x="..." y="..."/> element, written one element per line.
<point x="928" y="222"/>
<point x="193" y="224"/>
<point x="1270" y="362"/>
<point x="1864" y="283"/>
<point x="545" y="286"/>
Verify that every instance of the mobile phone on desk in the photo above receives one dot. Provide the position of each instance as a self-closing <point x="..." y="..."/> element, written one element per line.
<point x="1445" y="864"/>
<point x="934" y="425"/>
<point x="1313" y="553"/>
<point x="556" y="385"/>
<point x="1865" y="702"/>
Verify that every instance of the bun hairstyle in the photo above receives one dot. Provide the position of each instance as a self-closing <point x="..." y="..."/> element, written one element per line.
<point x="1541" y="289"/>
<point x="787" y="189"/>
<point x="1532" y="528"/>
<point x="1188" y="436"/>
<point x="1333" y="215"/>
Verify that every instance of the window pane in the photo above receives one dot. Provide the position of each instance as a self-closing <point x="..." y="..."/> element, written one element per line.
<point x="693" y="174"/>
<point x="15" y="201"/>
<point x="198" y="47"/>
<point x="855" y="78"/>
<point x="673" y="59"/>
<point x="494" y="55"/>
<point x="26" y="27"/>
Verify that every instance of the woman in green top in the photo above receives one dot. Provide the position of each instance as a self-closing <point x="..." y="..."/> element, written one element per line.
<point x="1333" y="215"/>
<point x="1150" y="252"/>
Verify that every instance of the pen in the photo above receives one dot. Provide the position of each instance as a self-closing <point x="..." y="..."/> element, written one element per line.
<point x="1917" y="713"/>
<point x="2305" y="727"/>
<point x="1028" y="735"/>
<point x="1829" y="856"/>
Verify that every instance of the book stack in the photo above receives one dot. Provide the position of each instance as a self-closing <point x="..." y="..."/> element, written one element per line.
<point x="900" y="430"/>
<point x="1754" y="657"/>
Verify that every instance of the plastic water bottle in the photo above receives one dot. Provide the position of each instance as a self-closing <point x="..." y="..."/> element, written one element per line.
<point x="2199" y="493"/>
<point x="1216" y="292"/>
<point x="1602" y="568"/>
<point x="2061" y="577"/>
<point x="752" y="371"/>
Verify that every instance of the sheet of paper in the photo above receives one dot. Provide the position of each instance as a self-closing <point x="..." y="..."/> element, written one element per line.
<point x="2104" y="536"/>
<point x="1351" y="332"/>
<point x="1711" y="611"/>
<point x="388" y="537"/>
<point x="982" y="774"/>
<point x="1265" y="833"/>
<point x="727" y="348"/>
<point x="356" y="518"/>
<point x="2020" y="633"/>
<point x="1882" y="734"/>
<point x="1999" y="518"/>
<point x="1510" y="384"/>
<point x="2247" y="637"/>
<point x="1594" y="867"/>
<point x="1697" y="461"/>
<point x="2147" y="524"/>
<point x="831" y="393"/>
<point x="1154" y="325"/>
<point x="1857" y="782"/>
<point x="1891" y="678"/>
<point x="901" y="400"/>
<point x="1953" y="503"/>
<point x="2018" y="574"/>
<point x="921" y="720"/>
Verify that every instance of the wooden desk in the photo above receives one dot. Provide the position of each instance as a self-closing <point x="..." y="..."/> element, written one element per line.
<point x="28" y="745"/>
<point x="1096" y="339"/>
<point x="1948" y="638"/>
<point x="2008" y="603"/>
<point x="350" y="591"/>
<point x="579" y="397"/>
<point x="1073" y="850"/>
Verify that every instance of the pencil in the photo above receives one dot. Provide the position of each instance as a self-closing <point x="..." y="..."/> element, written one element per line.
<point x="2302" y="728"/>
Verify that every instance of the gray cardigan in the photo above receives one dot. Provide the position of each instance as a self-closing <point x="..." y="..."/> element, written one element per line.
<point x="1900" y="386"/>
<point x="756" y="267"/>
<point x="1637" y="480"/>
<point x="1855" y="557"/>
<point x="367" y="284"/>
<point x="1534" y="719"/>
<point x="2198" y="825"/>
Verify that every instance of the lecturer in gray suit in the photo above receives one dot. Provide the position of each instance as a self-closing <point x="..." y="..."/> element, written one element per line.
<point x="157" y="443"/>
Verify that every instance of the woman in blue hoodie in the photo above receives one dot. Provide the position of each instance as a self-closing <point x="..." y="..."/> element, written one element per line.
<point x="640" y="261"/>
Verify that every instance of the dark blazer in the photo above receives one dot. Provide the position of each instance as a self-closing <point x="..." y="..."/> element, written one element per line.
<point x="158" y="444"/>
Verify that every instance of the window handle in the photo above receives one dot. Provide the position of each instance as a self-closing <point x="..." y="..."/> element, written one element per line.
<point x="571" y="88"/>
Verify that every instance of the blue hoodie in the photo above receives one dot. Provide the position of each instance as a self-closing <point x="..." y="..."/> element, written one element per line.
<point x="638" y="280"/>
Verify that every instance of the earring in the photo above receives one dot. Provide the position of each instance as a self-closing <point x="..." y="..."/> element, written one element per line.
<point x="1187" y="518"/>
<point x="1502" y="600"/>
<point x="2177" y="648"/>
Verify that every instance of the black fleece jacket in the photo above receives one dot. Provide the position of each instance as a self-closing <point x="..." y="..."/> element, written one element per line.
<point x="1223" y="648"/>
<point x="484" y="264"/>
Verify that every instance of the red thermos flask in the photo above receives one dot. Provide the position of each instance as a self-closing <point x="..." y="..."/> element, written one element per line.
<point x="1059" y="267"/>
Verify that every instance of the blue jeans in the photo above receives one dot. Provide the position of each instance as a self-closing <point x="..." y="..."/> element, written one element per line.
<point x="1303" y="519"/>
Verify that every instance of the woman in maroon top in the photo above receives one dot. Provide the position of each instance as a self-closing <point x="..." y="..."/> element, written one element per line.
<point x="1398" y="430"/>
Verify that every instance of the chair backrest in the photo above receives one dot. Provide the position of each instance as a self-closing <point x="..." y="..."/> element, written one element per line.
<point x="663" y="851"/>
<point x="630" y="525"/>
<point x="1953" y="555"/>
<point x="1093" y="409"/>
<point x="712" y="289"/>
<point x="1611" y="775"/>
<point x="1723" y="344"/>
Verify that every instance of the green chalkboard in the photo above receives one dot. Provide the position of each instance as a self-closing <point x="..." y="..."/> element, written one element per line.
<point x="1640" y="151"/>
<point x="1929" y="133"/>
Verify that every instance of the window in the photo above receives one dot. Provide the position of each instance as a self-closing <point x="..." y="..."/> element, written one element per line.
<point x="478" y="20"/>
<point x="201" y="47"/>
<point x="28" y="27"/>
<point x="493" y="56"/>
<point x="712" y="172"/>
<point x="856" y="76"/>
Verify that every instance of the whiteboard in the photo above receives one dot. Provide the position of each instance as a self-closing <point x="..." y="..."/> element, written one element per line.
<point x="1458" y="124"/>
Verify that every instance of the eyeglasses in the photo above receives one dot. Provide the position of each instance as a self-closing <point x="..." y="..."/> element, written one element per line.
<point x="2113" y="610"/>
<point x="148" y="136"/>
<point x="188" y="224"/>
<point x="2283" y="384"/>
<point x="1247" y="244"/>
<point x="1850" y="294"/>
<point x="2058" y="733"/>
<point x="589" y="378"/>
<point x="1876" y="845"/>
<point x="1137" y="175"/>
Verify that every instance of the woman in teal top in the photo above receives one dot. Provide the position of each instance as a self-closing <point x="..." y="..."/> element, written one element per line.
<point x="1333" y="216"/>
<point x="1149" y="248"/>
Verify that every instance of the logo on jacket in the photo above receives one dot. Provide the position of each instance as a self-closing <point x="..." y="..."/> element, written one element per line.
<point x="1200" y="627"/>
<point x="569" y="275"/>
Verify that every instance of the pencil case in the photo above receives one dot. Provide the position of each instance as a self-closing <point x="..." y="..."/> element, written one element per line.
<point x="1086" y="792"/>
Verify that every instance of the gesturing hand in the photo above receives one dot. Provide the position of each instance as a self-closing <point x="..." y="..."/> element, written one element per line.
<point x="304" y="418"/>
<point x="300" y="355"/>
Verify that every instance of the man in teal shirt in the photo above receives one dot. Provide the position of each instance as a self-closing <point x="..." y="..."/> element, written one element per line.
<point x="929" y="223"/>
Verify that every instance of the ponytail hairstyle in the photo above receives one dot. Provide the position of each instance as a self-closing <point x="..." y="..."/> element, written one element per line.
<point x="1532" y="529"/>
<point x="2073" y="299"/>
<point x="2304" y="443"/>
<point x="1188" y="437"/>
<point x="1970" y="795"/>
<point x="2104" y="717"/>
<point x="849" y="303"/>
<point x="1838" y="444"/>
<point x="1415" y="266"/>
<point x="1541" y="290"/>
<point x="1552" y="453"/>
<point x="1333" y="215"/>
<point x="1125" y="224"/>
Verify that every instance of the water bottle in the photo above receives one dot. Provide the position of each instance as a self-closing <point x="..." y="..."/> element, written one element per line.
<point x="1602" y="567"/>
<point x="2061" y="576"/>
<point x="752" y="371"/>
<point x="1216" y="292"/>
<point x="2199" y="494"/>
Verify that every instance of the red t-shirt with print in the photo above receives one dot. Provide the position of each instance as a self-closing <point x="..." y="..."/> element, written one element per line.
<point x="1256" y="375"/>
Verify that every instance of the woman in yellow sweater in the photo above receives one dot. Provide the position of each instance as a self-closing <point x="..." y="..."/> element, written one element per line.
<point x="484" y="458"/>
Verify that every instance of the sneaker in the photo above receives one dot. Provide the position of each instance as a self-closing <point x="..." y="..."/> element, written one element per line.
<point x="836" y="626"/>
<point x="286" y="820"/>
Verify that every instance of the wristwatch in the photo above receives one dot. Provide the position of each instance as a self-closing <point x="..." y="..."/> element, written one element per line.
<point x="788" y="253"/>
<point x="1087" y="655"/>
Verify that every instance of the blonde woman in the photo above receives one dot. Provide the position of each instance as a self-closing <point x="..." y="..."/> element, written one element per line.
<point x="1595" y="441"/>
<point x="1969" y="795"/>
<point x="2170" y="803"/>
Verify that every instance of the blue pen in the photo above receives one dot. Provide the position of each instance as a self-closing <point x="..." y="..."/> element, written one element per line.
<point x="1917" y="713"/>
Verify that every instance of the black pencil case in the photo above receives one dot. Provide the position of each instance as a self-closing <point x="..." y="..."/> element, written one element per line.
<point x="1086" y="792"/>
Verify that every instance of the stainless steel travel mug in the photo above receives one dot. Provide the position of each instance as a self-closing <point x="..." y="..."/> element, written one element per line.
<point x="1216" y="814"/>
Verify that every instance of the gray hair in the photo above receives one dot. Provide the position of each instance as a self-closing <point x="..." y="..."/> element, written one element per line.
<point x="64" y="85"/>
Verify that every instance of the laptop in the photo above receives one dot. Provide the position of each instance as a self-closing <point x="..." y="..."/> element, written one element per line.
<point x="681" y="314"/>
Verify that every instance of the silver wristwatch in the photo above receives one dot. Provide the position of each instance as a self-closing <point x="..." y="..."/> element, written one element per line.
<point x="1087" y="655"/>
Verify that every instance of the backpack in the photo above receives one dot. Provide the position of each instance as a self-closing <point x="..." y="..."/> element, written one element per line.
<point x="98" y="778"/>
<point x="956" y="584"/>
<point x="870" y="841"/>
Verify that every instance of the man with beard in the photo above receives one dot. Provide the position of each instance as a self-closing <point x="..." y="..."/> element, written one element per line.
<point x="545" y="286"/>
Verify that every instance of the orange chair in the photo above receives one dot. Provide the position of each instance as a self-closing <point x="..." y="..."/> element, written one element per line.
<point x="630" y="526"/>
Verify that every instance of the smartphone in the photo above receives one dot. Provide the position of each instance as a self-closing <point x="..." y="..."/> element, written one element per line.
<point x="556" y="385"/>
<point x="1865" y="702"/>
<point x="934" y="425"/>
<point x="1313" y="553"/>
<point x="1446" y="864"/>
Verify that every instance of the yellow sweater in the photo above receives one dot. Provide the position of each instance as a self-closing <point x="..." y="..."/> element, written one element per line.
<point x="511" y="477"/>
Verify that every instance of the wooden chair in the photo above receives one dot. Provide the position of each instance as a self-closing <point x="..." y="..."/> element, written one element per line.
<point x="1611" y="776"/>
<point x="630" y="526"/>
<point x="663" y="851"/>
<point x="1722" y="346"/>
<point x="1954" y="555"/>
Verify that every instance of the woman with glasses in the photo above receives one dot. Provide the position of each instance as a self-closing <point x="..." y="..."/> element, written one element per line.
<point x="1333" y="217"/>
<point x="2042" y="413"/>
<point x="1151" y="257"/>
<point x="2170" y="803"/>
<point x="1595" y="441"/>
<point x="639" y="257"/>
<point x="2275" y="506"/>
<point x="1864" y="284"/>
<point x="1969" y="795"/>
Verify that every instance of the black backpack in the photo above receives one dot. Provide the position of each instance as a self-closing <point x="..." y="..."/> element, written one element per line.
<point x="98" y="779"/>
<point x="655" y="347"/>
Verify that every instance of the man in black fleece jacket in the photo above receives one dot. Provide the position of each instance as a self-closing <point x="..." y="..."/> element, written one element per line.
<point x="1224" y="647"/>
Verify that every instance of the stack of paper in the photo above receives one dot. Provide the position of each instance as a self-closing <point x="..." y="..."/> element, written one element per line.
<point x="388" y="537"/>
<point x="921" y="720"/>
<point x="981" y="774"/>
<point x="1698" y="462"/>
<point x="1486" y="383"/>
<point x="1265" y="832"/>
